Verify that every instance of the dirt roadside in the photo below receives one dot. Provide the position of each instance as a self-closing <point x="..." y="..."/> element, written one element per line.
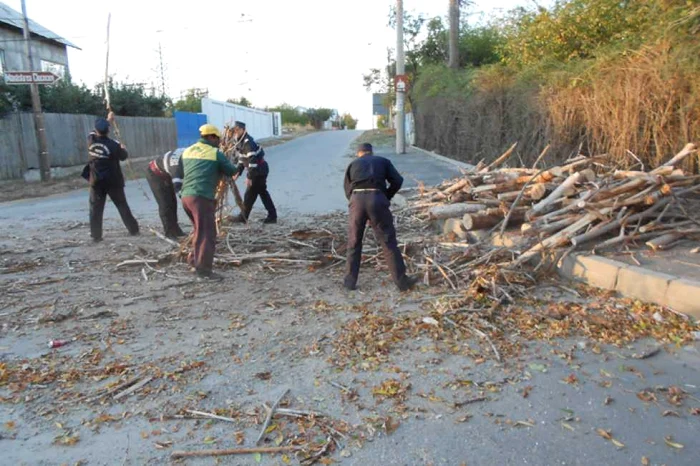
<point x="20" y="189"/>
<point x="390" y="379"/>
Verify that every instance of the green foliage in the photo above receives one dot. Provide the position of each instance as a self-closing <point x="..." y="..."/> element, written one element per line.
<point x="347" y="121"/>
<point x="574" y="29"/>
<point x="290" y="115"/>
<point x="66" y="97"/>
<point x="317" y="116"/>
<point x="241" y="101"/>
<point x="382" y="122"/>
<point x="191" y="101"/>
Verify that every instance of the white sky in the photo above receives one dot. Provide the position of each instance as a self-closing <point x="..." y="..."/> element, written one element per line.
<point x="310" y="53"/>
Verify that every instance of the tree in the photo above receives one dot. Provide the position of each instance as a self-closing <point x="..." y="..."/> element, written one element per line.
<point x="290" y="115"/>
<point x="347" y="121"/>
<point x="317" y="116"/>
<point x="191" y="102"/>
<point x="241" y="101"/>
<point x="454" y="34"/>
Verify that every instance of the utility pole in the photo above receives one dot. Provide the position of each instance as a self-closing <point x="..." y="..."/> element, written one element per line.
<point x="163" y="89"/>
<point x="44" y="161"/>
<point x="400" y="90"/>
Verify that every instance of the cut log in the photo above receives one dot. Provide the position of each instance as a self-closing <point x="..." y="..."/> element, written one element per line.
<point x="678" y="158"/>
<point x="454" y="210"/>
<point x="490" y="219"/>
<point x="528" y="229"/>
<point x="453" y="226"/>
<point x="457" y="186"/>
<point x="557" y="193"/>
<point x="664" y="241"/>
<point x="532" y="193"/>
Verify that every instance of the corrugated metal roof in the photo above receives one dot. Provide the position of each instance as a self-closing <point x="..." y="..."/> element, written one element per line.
<point x="14" y="18"/>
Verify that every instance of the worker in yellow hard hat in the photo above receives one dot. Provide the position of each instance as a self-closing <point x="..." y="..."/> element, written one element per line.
<point x="203" y="164"/>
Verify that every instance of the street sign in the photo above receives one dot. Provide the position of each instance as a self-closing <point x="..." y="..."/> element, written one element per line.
<point x="401" y="82"/>
<point x="30" y="77"/>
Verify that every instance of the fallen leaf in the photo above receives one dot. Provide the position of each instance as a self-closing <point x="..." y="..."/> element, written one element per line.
<point x="608" y="400"/>
<point x="645" y="461"/>
<point x="66" y="439"/>
<point x="571" y="379"/>
<point x="264" y="375"/>
<point x="144" y="435"/>
<point x="10" y="425"/>
<point x="164" y="444"/>
<point x="279" y="439"/>
<point x="617" y="443"/>
<point x="257" y="457"/>
<point x="695" y="411"/>
<point x="538" y="367"/>
<point x="286" y="459"/>
<point x="430" y="321"/>
<point x="604" y="433"/>
<point x="209" y="440"/>
<point x="670" y="413"/>
<point x="271" y="428"/>
<point x="669" y="441"/>
<point x="526" y="391"/>
<point x="568" y="426"/>
<point x="523" y="423"/>
<point x="646" y="395"/>
<point x="346" y="453"/>
<point x="464" y="418"/>
<point x="240" y="437"/>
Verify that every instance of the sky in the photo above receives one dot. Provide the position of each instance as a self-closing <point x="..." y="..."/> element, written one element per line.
<point x="309" y="53"/>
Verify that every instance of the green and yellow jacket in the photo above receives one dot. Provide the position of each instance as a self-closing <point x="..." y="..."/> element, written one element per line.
<point x="203" y="165"/>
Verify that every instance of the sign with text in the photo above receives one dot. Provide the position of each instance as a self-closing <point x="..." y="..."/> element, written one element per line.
<point x="30" y="77"/>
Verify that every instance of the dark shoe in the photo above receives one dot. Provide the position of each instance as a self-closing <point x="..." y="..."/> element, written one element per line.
<point x="349" y="284"/>
<point x="134" y="233"/>
<point x="408" y="283"/>
<point x="180" y="233"/>
<point x="96" y="240"/>
<point x="270" y="220"/>
<point x="239" y="219"/>
<point x="208" y="275"/>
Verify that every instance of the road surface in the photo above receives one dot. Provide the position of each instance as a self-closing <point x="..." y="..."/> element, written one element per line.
<point x="306" y="177"/>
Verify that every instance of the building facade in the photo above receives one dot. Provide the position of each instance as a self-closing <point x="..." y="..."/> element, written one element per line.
<point x="49" y="51"/>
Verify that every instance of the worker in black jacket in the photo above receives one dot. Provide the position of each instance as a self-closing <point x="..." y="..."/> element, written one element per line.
<point x="164" y="175"/>
<point x="366" y="188"/>
<point x="252" y="156"/>
<point x="106" y="179"/>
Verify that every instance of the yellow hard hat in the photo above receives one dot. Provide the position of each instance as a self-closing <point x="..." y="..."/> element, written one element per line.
<point x="208" y="129"/>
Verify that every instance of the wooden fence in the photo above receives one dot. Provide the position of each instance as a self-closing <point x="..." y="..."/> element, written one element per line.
<point x="67" y="140"/>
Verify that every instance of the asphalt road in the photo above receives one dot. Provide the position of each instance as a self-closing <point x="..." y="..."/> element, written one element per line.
<point x="306" y="177"/>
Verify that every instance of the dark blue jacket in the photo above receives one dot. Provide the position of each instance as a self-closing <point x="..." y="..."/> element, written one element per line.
<point x="372" y="172"/>
<point x="104" y="155"/>
<point x="252" y="157"/>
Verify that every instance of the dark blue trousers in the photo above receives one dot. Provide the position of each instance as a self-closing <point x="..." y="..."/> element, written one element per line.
<point x="372" y="206"/>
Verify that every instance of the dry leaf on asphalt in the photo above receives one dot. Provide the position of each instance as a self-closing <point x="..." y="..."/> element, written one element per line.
<point x="669" y="441"/>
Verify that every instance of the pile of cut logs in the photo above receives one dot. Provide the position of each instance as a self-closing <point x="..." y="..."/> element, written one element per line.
<point x="581" y="202"/>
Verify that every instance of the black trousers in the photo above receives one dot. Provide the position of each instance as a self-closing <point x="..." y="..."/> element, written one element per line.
<point x="164" y="192"/>
<point x="258" y="187"/>
<point x="98" y="197"/>
<point x="372" y="206"/>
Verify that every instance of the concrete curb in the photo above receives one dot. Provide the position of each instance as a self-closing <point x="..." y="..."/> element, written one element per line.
<point x="457" y="163"/>
<point x="634" y="282"/>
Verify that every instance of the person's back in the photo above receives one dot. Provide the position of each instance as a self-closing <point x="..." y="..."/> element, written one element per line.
<point x="372" y="172"/>
<point x="203" y="165"/>
<point x="104" y="155"/>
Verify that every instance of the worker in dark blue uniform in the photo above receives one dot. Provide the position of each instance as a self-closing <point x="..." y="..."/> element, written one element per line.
<point x="164" y="175"/>
<point x="252" y="156"/>
<point x="366" y="188"/>
<point x="106" y="179"/>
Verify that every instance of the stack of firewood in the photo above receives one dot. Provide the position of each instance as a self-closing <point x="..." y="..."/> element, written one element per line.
<point x="227" y="146"/>
<point x="582" y="202"/>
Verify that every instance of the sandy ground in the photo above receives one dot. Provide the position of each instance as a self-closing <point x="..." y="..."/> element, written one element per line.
<point x="389" y="386"/>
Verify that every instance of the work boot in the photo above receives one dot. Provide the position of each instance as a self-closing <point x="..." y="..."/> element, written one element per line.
<point x="180" y="233"/>
<point x="208" y="275"/>
<point x="239" y="219"/>
<point x="408" y="283"/>
<point x="270" y="220"/>
<point x="349" y="284"/>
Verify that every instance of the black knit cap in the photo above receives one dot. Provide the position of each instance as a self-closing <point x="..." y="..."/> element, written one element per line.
<point x="101" y="126"/>
<point x="239" y="124"/>
<point x="365" y="147"/>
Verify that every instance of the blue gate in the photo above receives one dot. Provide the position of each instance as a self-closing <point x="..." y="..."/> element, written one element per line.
<point x="187" y="125"/>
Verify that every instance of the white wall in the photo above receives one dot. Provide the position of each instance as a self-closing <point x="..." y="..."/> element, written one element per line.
<point x="258" y="123"/>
